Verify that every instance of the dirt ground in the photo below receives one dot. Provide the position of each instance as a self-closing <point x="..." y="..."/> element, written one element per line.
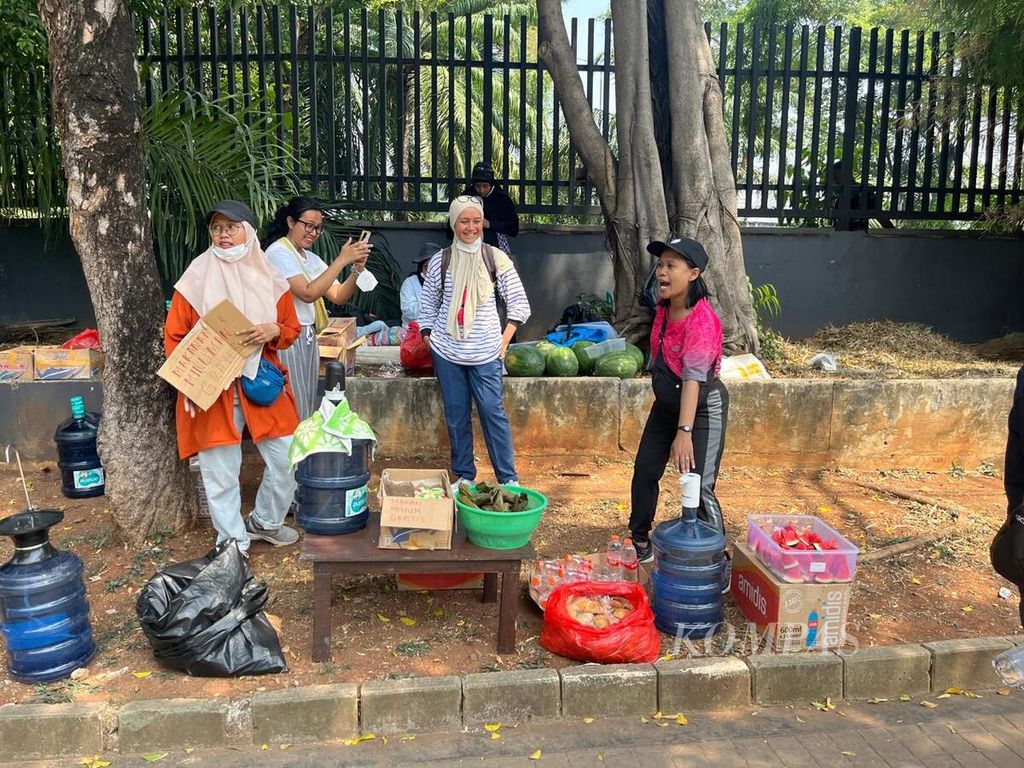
<point x="944" y="590"/>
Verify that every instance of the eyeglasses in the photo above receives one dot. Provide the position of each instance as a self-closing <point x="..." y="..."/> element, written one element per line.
<point x="311" y="228"/>
<point x="226" y="229"/>
<point x="470" y="199"/>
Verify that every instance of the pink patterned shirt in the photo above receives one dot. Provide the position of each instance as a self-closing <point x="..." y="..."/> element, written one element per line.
<point x="692" y="346"/>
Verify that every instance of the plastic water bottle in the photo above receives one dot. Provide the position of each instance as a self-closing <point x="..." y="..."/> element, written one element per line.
<point x="629" y="561"/>
<point x="1009" y="665"/>
<point x="613" y="560"/>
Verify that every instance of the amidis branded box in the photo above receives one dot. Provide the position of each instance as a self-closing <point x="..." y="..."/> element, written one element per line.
<point x="793" y="617"/>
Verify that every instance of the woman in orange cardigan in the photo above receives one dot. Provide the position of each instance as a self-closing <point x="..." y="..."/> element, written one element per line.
<point x="235" y="268"/>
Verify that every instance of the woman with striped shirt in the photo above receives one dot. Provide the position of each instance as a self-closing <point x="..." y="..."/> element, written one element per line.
<point x="459" y="322"/>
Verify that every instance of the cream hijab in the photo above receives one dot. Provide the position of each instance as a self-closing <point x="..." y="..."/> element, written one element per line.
<point x="248" y="281"/>
<point x="470" y="277"/>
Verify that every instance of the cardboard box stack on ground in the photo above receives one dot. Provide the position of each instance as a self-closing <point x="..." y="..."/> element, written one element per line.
<point x="410" y="523"/>
<point x="17" y="364"/>
<point x="53" y="363"/>
<point x="338" y="342"/>
<point x="210" y="357"/>
<point x="791" y="617"/>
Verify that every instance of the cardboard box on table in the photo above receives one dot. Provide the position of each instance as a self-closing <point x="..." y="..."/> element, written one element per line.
<point x="410" y="523"/>
<point x="338" y="342"/>
<point x="57" y="363"/>
<point x="210" y="357"/>
<point x="17" y="364"/>
<point x="792" y="617"/>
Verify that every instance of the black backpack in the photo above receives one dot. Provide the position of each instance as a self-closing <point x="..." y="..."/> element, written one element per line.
<point x="575" y="314"/>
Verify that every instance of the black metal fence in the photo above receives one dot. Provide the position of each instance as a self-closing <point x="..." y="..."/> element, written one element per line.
<point x="388" y="111"/>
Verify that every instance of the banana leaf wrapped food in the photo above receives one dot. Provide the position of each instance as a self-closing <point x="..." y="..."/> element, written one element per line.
<point x="493" y="498"/>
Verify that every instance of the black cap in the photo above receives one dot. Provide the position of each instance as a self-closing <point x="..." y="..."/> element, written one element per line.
<point x="234" y="210"/>
<point x="427" y="250"/>
<point x="685" y="247"/>
<point x="483" y="172"/>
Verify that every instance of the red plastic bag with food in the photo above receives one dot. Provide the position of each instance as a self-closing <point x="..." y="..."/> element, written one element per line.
<point x="605" y="621"/>
<point x="414" y="354"/>
<point x="87" y="339"/>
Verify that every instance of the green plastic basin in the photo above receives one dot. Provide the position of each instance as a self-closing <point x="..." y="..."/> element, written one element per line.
<point x="502" y="530"/>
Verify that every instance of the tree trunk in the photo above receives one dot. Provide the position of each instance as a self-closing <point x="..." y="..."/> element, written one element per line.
<point x="96" y="109"/>
<point x="673" y="172"/>
<point x="704" y="186"/>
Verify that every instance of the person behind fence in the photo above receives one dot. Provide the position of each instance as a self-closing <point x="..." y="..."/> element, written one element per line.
<point x="296" y="226"/>
<point x="411" y="294"/>
<point x="686" y="424"/>
<point x="459" y="322"/>
<point x="500" y="218"/>
<point x="261" y="400"/>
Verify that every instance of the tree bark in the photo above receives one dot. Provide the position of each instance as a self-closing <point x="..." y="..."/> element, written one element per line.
<point x="96" y="110"/>
<point x="673" y="172"/>
<point x="704" y="186"/>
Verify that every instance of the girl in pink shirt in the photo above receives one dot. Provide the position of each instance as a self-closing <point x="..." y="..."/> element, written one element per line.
<point x="686" y="425"/>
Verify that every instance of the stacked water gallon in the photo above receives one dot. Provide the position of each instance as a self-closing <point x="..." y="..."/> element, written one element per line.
<point x="689" y="567"/>
<point x="332" y="486"/>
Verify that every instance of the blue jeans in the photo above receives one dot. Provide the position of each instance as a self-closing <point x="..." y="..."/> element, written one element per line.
<point x="483" y="384"/>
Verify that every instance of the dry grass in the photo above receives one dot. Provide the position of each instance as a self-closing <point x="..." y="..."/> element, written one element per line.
<point x="888" y="350"/>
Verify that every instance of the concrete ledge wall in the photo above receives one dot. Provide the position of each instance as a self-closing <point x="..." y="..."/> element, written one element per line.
<point x="926" y="424"/>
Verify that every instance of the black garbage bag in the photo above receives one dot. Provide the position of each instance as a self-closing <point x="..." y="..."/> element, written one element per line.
<point x="206" y="617"/>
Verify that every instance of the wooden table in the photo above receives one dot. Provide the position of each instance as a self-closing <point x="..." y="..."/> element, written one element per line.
<point x="357" y="553"/>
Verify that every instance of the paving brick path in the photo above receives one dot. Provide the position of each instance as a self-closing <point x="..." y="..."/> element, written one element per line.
<point x="959" y="733"/>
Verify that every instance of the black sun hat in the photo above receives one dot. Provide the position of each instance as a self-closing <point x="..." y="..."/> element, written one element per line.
<point x="234" y="210"/>
<point x="689" y="249"/>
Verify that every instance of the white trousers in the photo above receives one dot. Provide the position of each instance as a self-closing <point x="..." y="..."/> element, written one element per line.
<point x="220" y="468"/>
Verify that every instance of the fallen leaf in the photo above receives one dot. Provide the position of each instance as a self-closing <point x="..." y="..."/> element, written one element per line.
<point x="495" y="736"/>
<point x="141" y="675"/>
<point x="848" y="754"/>
<point x="189" y="750"/>
<point x="951" y="728"/>
<point x="275" y="622"/>
<point x="875" y="615"/>
<point x="589" y="720"/>
<point x="823" y="510"/>
<point x="535" y="755"/>
<point x="876" y="701"/>
<point x="662" y="725"/>
<point x="644" y="720"/>
<point x="367" y="737"/>
<point x="667" y="657"/>
<point x="407" y="737"/>
<point x="284" y="746"/>
<point x="383" y="739"/>
<point x="94" y="762"/>
<point x="264" y="747"/>
<point x="383" y="618"/>
<point x="407" y="621"/>
<point x="1003" y="692"/>
<point x="681" y="720"/>
<point x="824" y="706"/>
<point x="658" y="715"/>
<point x="492" y="727"/>
<point x="915" y="580"/>
<point x="904" y="697"/>
<point x="800" y="719"/>
<point x="154" y="757"/>
<point x="967" y="608"/>
<point x="438" y="613"/>
<point x="929" y="704"/>
<point x="460" y="623"/>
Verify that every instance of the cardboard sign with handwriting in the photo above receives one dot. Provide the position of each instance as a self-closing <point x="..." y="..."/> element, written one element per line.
<point x="210" y="357"/>
<point x="407" y="522"/>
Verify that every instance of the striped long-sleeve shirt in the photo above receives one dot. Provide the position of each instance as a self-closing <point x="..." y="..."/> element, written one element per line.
<point x="484" y="340"/>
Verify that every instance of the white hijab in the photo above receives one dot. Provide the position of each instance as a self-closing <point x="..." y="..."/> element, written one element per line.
<point x="243" y="276"/>
<point x="470" y="277"/>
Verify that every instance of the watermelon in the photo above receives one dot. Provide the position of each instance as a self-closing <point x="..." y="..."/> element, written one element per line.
<point x="544" y="347"/>
<point x="561" y="361"/>
<point x="523" y="360"/>
<point x="634" y="350"/>
<point x="621" y="365"/>
<point x="586" y="364"/>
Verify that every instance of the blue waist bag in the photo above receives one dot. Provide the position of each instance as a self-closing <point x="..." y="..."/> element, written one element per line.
<point x="267" y="386"/>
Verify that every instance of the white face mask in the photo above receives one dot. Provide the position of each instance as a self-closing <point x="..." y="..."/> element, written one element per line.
<point x="234" y="253"/>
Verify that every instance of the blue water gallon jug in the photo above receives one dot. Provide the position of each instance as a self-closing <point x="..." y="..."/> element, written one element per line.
<point x="44" y="615"/>
<point x="332" y="492"/>
<point x="689" y="566"/>
<point x="81" y="471"/>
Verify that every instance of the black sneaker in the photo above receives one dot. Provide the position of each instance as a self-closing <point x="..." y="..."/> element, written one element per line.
<point x="644" y="550"/>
